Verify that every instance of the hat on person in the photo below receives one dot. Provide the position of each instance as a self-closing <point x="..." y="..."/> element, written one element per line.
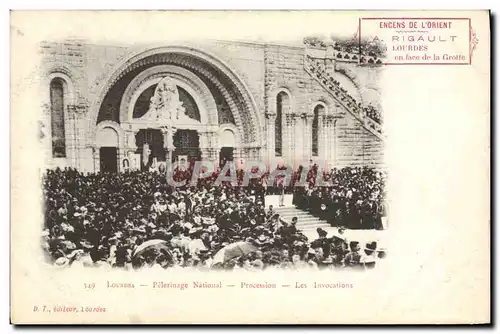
<point x="381" y="253"/>
<point x="213" y="228"/>
<point x="371" y="246"/>
<point x="73" y="253"/>
<point x="61" y="262"/>
<point x="258" y="264"/>
<point x="194" y="230"/>
<point x="208" y="221"/>
<point x="262" y="238"/>
<point x="321" y="232"/>
<point x="86" y="244"/>
<point x="139" y="229"/>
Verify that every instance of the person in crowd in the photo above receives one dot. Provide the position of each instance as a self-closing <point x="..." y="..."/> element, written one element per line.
<point x="354" y="198"/>
<point x="369" y="258"/>
<point x="353" y="258"/>
<point x="102" y="219"/>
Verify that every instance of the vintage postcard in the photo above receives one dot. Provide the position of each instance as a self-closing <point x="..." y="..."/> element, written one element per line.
<point x="250" y="167"/>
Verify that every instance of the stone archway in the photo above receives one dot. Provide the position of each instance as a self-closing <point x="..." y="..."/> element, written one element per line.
<point x="214" y="72"/>
<point x="183" y="78"/>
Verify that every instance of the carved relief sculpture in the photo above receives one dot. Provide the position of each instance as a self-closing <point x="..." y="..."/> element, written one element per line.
<point x="165" y="105"/>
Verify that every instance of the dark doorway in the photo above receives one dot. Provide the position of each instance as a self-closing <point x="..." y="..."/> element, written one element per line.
<point x="187" y="142"/>
<point x="108" y="157"/>
<point x="154" y="138"/>
<point x="226" y="154"/>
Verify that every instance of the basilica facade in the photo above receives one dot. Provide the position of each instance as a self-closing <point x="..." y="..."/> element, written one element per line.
<point x="115" y="107"/>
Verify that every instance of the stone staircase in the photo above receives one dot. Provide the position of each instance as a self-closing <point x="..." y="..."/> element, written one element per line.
<point x="306" y="221"/>
<point x="318" y="72"/>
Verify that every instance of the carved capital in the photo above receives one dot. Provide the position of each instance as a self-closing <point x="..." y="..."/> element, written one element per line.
<point x="82" y="108"/>
<point x="331" y="119"/>
<point x="46" y="108"/>
<point x="270" y="115"/>
<point x="77" y="109"/>
<point x="71" y="108"/>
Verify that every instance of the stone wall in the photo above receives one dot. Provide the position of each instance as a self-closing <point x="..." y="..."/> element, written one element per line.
<point x="265" y="69"/>
<point x="349" y="143"/>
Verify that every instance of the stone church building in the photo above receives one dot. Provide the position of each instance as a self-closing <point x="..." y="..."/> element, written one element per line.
<point x="111" y="108"/>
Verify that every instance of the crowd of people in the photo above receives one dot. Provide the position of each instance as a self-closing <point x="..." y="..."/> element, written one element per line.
<point x="368" y="111"/>
<point x="136" y="219"/>
<point x="354" y="199"/>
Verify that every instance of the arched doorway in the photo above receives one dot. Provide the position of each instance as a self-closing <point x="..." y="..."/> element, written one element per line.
<point x="150" y="146"/>
<point x="107" y="142"/>
<point x="212" y="95"/>
<point x="228" y="144"/>
<point x="187" y="144"/>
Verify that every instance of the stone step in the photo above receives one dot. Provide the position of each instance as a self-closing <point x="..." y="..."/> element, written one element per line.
<point x="306" y="221"/>
<point x="299" y="216"/>
<point x="296" y="213"/>
<point x="311" y="222"/>
<point x="313" y="227"/>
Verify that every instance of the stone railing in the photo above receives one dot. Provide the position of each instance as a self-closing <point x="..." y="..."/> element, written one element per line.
<point x="347" y="57"/>
<point x="318" y="71"/>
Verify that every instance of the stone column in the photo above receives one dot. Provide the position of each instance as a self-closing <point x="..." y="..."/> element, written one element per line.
<point x="239" y="155"/>
<point x="130" y="147"/>
<point x="270" y="137"/>
<point x="46" y="129"/>
<point x="75" y="136"/>
<point x="204" y="145"/>
<point x="81" y="132"/>
<point x="70" y="135"/>
<point x="287" y="144"/>
<point x="330" y="128"/>
<point x="308" y="118"/>
<point x="323" y="135"/>
<point x="214" y="148"/>
<point x="97" y="165"/>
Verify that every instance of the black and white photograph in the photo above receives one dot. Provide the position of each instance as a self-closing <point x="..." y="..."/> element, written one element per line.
<point x="305" y="167"/>
<point x="217" y="155"/>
